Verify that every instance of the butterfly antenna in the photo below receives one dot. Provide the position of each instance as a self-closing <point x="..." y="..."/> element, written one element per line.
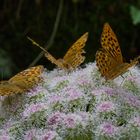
<point x="36" y="44"/>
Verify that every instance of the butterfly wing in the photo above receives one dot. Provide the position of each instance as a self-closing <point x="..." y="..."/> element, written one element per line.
<point x="53" y="60"/>
<point x="109" y="59"/>
<point x="47" y="54"/>
<point x="28" y="78"/>
<point x="110" y="43"/>
<point x="74" y="57"/>
<point x="108" y="66"/>
<point x="104" y="62"/>
<point x="7" y="88"/>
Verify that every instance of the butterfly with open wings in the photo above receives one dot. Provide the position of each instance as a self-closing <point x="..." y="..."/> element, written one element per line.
<point x="22" y="81"/>
<point x="73" y="57"/>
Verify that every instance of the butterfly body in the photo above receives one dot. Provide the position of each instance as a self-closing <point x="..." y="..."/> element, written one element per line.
<point x="22" y="81"/>
<point x="109" y="58"/>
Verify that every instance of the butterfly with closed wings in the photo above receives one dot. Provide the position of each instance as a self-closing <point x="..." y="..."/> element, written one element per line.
<point x="109" y="58"/>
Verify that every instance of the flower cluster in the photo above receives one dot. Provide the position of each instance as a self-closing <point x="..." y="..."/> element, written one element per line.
<point x="74" y="105"/>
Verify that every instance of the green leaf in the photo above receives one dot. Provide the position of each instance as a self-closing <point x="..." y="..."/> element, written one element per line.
<point x="135" y="14"/>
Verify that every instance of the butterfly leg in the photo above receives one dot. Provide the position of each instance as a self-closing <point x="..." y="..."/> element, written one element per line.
<point x="122" y="81"/>
<point x="122" y="76"/>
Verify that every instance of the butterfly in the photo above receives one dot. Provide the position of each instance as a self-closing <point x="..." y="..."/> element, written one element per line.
<point x="22" y="81"/>
<point x="109" y="58"/>
<point x="73" y="57"/>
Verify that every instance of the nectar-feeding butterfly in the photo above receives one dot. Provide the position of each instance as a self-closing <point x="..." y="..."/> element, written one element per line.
<point x="73" y="57"/>
<point x="109" y="58"/>
<point x="22" y="81"/>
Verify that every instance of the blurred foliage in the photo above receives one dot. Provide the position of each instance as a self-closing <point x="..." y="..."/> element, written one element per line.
<point x="135" y="14"/>
<point x="36" y="19"/>
<point x="5" y="63"/>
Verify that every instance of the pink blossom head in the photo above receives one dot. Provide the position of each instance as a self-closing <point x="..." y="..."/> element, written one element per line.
<point x="55" y="119"/>
<point x="49" y="135"/>
<point x="37" y="90"/>
<point x="104" y="91"/>
<point x="108" y="129"/>
<point x="72" y="121"/>
<point x="73" y="93"/>
<point x="57" y="81"/>
<point x="97" y="92"/>
<point x="55" y="99"/>
<point x="106" y="106"/>
<point x="134" y="79"/>
<point x="110" y="91"/>
<point x="34" y="108"/>
<point x="132" y="100"/>
<point x="82" y="78"/>
<point x="84" y="115"/>
<point x="5" y="137"/>
<point x="30" y="135"/>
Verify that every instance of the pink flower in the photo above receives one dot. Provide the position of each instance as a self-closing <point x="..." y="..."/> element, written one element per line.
<point x="56" y="118"/>
<point x="58" y="80"/>
<point x="132" y="100"/>
<point x="30" y="135"/>
<point x="36" y="91"/>
<point x="61" y="119"/>
<point x="84" y="115"/>
<point x="110" y="91"/>
<point x="108" y="129"/>
<point x="86" y="118"/>
<point x="72" y="120"/>
<point x="105" y="106"/>
<point x="134" y="79"/>
<point x="34" y="108"/>
<point x="131" y="79"/>
<point x="83" y="79"/>
<point x="97" y="92"/>
<point x="55" y="99"/>
<point x="73" y="94"/>
<point x="104" y="90"/>
<point x="4" y="137"/>
<point x="50" y="135"/>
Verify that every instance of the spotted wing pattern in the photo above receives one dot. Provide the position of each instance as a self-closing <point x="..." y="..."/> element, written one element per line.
<point x="73" y="58"/>
<point x="109" y="58"/>
<point x="22" y="81"/>
<point x="110" y="43"/>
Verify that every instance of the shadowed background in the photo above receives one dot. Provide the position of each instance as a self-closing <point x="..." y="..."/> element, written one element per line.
<point x="58" y="24"/>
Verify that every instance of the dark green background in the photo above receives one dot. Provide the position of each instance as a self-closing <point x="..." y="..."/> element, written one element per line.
<point x="36" y="18"/>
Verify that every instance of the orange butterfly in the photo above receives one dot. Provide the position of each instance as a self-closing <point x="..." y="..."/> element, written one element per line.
<point x="73" y="58"/>
<point x="22" y="81"/>
<point x="109" y="58"/>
